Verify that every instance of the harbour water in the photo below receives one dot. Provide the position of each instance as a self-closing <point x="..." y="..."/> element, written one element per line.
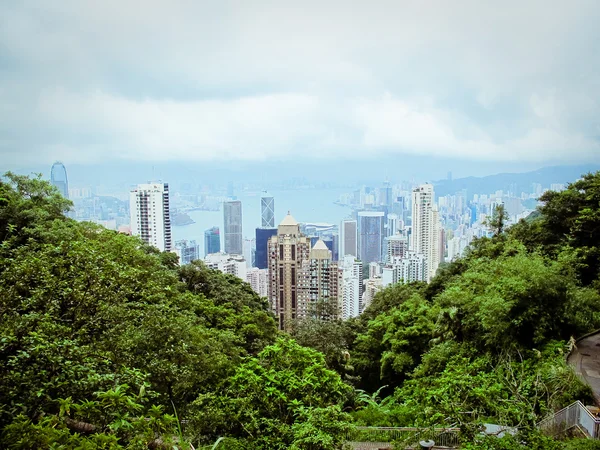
<point x="306" y="205"/>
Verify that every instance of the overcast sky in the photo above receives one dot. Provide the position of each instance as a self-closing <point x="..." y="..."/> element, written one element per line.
<point x="507" y="81"/>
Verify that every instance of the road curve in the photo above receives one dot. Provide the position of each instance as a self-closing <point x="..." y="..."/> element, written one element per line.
<point x="585" y="358"/>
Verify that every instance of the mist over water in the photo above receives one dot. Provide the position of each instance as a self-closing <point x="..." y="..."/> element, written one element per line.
<point x="306" y="205"/>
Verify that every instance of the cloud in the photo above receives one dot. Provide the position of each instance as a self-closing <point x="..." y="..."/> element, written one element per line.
<point x="202" y="81"/>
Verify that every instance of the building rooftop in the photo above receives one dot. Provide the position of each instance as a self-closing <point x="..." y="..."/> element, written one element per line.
<point x="289" y="220"/>
<point x="320" y="245"/>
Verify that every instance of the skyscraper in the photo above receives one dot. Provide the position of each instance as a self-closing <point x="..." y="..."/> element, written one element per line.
<point x="58" y="178"/>
<point x="232" y="229"/>
<point x="385" y="194"/>
<point x="320" y="282"/>
<point x="267" y="211"/>
<point x="370" y="236"/>
<point x="150" y="214"/>
<point x="212" y="241"/>
<point x="348" y="238"/>
<point x="287" y="251"/>
<point x="261" y="259"/>
<point x="425" y="227"/>
<point x="351" y="286"/>
<point x="392" y="226"/>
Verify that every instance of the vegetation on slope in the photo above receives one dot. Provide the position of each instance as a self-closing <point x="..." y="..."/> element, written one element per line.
<point x="106" y="343"/>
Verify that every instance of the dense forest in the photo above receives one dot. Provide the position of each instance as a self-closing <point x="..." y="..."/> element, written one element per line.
<point x="106" y="343"/>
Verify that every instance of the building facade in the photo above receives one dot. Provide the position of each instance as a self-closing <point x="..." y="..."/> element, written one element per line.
<point x="348" y="238"/>
<point x="395" y="247"/>
<point x="351" y="286"/>
<point x="320" y="282"/>
<point x="232" y="227"/>
<point x="231" y="264"/>
<point x="187" y="251"/>
<point x="58" y="178"/>
<point x="267" y="211"/>
<point x="425" y="233"/>
<point x="261" y="256"/>
<point x="370" y="236"/>
<point x="150" y="214"/>
<point x="212" y="241"/>
<point x="287" y="251"/>
<point x="259" y="280"/>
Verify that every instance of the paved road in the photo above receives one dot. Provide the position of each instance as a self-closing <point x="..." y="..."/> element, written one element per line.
<point x="585" y="358"/>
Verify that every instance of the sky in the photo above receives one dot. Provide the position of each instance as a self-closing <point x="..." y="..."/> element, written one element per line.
<point x="511" y="83"/>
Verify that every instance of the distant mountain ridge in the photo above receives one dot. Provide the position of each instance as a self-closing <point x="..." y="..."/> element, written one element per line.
<point x="510" y="181"/>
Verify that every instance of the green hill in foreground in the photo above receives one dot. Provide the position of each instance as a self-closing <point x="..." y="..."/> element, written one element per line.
<point x="107" y="343"/>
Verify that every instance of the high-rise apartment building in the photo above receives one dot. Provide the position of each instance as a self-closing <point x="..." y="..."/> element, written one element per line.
<point x="212" y="241"/>
<point x="58" y="178"/>
<point x="395" y="247"/>
<point x="150" y="214"/>
<point x="348" y="238"/>
<point x="287" y="251"/>
<point x="230" y="264"/>
<point x="320" y="282"/>
<point x="370" y="236"/>
<point x="267" y="211"/>
<point x="393" y="224"/>
<point x="351" y="286"/>
<point x="425" y="227"/>
<point x="259" y="280"/>
<point x="232" y="227"/>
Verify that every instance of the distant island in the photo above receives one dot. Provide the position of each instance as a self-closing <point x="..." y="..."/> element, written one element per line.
<point x="180" y="219"/>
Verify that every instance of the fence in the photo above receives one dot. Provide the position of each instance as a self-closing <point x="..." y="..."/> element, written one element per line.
<point x="408" y="436"/>
<point x="574" y="415"/>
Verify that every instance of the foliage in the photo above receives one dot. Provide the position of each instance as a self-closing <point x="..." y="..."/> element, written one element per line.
<point x="113" y="419"/>
<point x="283" y="398"/>
<point x="84" y="309"/>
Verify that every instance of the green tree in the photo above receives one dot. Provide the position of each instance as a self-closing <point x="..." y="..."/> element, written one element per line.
<point x="283" y="398"/>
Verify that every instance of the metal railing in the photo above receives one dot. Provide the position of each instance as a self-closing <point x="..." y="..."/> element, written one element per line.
<point x="574" y="415"/>
<point x="409" y="436"/>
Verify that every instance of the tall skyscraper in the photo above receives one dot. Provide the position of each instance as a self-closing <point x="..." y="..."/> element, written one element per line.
<point x="58" y="178"/>
<point x="393" y="225"/>
<point x="348" y="238"/>
<point x="261" y="259"/>
<point x="425" y="227"/>
<point x="287" y="251"/>
<point x="212" y="241"/>
<point x="385" y="194"/>
<point x="232" y="229"/>
<point x="351" y="286"/>
<point x="150" y="214"/>
<point x="320" y="293"/>
<point x="267" y="211"/>
<point x="370" y="236"/>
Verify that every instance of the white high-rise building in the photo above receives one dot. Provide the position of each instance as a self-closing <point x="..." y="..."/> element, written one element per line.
<point x="231" y="264"/>
<point x="393" y="225"/>
<point x="259" y="280"/>
<point x="425" y="233"/>
<point x="150" y="215"/>
<point x="351" y="286"/>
